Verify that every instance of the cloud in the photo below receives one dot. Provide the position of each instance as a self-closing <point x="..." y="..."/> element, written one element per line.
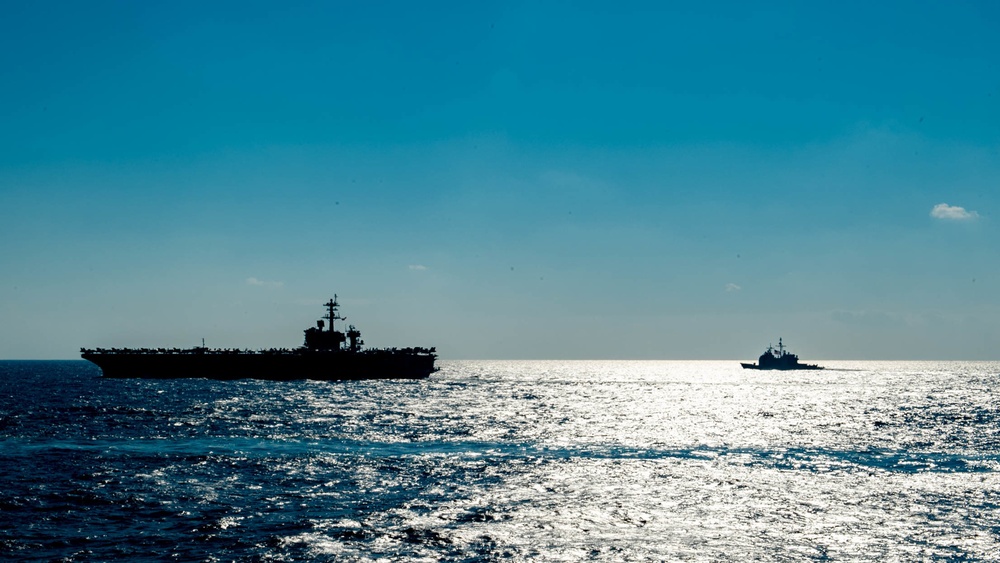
<point x="952" y="213"/>
<point x="730" y="287"/>
<point x="262" y="283"/>
<point x="418" y="267"/>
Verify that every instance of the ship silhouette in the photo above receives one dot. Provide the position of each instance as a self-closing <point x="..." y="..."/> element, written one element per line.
<point x="327" y="354"/>
<point x="778" y="359"/>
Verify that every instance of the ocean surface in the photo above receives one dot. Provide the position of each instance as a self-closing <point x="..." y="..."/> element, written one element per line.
<point x="498" y="460"/>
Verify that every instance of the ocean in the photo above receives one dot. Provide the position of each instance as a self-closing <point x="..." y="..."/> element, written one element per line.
<point x="506" y="460"/>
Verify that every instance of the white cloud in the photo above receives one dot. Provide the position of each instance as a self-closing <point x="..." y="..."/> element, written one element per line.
<point x="262" y="283"/>
<point x="419" y="267"/>
<point x="952" y="213"/>
<point x="730" y="287"/>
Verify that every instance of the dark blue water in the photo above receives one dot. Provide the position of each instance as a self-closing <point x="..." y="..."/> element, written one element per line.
<point x="505" y="460"/>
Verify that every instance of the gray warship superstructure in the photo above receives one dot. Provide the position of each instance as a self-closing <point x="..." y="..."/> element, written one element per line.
<point x="779" y="359"/>
<point x="327" y="354"/>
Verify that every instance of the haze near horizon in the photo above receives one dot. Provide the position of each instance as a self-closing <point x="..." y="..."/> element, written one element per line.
<point x="503" y="180"/>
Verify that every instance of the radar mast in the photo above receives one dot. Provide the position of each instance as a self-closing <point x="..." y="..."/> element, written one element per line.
<point x="332" y="314"/>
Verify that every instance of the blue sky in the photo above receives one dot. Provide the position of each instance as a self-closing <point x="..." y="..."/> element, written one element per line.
<point x="503" y="180"/>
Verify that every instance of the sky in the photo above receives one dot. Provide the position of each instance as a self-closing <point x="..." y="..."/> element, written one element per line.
<point x="522" y="180"/>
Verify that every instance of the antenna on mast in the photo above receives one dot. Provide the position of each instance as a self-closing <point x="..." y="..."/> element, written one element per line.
<point x="331" y="307"/>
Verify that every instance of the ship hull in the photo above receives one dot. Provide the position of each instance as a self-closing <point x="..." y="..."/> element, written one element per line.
<point x="782" y="368"/>
<point x="330" y="366"/>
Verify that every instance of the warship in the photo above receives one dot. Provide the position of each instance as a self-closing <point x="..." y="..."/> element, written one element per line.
<point x="327" y="354"/>
<point x="778" y="359"/>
